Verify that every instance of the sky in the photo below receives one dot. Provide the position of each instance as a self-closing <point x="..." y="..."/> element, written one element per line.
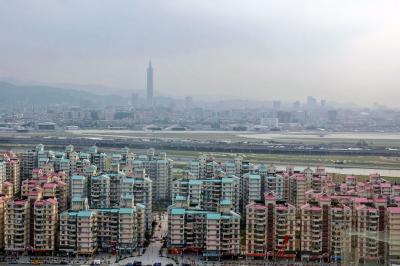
<point x="339" y="50"/>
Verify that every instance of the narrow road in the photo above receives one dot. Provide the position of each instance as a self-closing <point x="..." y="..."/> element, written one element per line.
<point x="151" y="255"/>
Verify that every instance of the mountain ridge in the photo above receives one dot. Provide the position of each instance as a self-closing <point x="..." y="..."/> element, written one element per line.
<point x="43" y="95"/>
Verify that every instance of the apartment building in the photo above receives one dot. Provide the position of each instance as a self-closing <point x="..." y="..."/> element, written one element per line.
<point x="393" y="235"/>
<point x="45" y="225"/>
<point x="30" y="161"/>
<point x="16" y="226"/>
<point x="273" y="183"/>
<point x="298" y="186"/>
<point x="13" y="173"/>
<point x="2" y="173"/>
<point x="120" y="229"/>
<point x="3" y="205"/>
<point x="366" y="224"/>
<point x="8" y="189"/>
<point x="250" y="190"/>
<point x="159" y="170"/>
<point x="140" y="189"/>
<point x="270" y="228"/>
<point x="109" y="230"/>
<point x="78" y="232"/>
<point x="99" y="191"/>
<point x="206" y="194"/>
<point x="214" y="234"/>
<point x="325" y="229"/>
<point x="78" y="186"/>
<point x="98" y="159"/>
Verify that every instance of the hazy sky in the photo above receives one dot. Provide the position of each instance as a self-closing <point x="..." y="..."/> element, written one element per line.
<point x="343" y="50"/>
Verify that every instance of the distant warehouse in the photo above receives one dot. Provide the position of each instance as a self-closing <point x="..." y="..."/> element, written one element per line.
<point x="47" y="126"/>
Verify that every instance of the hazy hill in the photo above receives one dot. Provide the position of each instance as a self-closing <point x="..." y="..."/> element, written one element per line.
<point x="11" y="94"/>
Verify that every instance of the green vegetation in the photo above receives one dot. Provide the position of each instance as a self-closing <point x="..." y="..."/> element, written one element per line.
<point x="285" y="159"/>
<point x="361" y="178"/>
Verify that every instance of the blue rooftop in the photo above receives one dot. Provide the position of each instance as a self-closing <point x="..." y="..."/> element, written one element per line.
<point x="178" y="197"/>
<point x="213" y="216"/>
<point x="226" y="202"/>
<point x="195" y="182"/>
<point x="253" y="176"/>
<point x="77" y="177"/>
<point x="177" y="211"/>
<point x="126" y="210"/>
<point x="85" y="213"/>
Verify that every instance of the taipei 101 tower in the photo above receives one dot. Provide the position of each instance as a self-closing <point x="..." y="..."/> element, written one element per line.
<point x="150" y="84"/>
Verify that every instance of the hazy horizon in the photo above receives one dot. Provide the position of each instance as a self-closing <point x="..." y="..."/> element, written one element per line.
<point x="252" y="50"/>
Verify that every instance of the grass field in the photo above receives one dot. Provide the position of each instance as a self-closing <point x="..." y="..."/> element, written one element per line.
<point x="373" y="162"/>
<point x="313" y="160"/>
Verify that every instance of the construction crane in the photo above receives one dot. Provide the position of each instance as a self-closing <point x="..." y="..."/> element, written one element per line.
<point x="282" y="248"/>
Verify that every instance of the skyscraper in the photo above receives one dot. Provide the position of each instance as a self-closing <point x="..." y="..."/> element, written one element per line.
<point x="150" y="83"/>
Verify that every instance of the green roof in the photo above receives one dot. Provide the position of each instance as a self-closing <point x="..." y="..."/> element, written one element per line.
<point x="126" y="210"/>
<point x="263" y="167"/>
<point x="253" y="176"/>
<point x="85" y="213"/>
<point x="100" y="177"/>
<point x="226" y="202"/>
<point x="177" y="211"/>
<point x="213" y="216"/>
<point x="178" y="197"/>
<point x="227" y="180"/>
<point x="77" y="177"/>
<point x="69" y="213"/>
<point x="128" y="180"/>
<point x="140" y="205"/>
<point x="195" y="182"/>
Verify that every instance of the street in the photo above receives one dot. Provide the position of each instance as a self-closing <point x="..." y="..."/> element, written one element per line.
<point x="152" y="254"/>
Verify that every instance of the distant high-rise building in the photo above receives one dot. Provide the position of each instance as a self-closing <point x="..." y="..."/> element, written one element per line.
<point x="150" y="83"/>
<point x="311" y="102"/>
<point x="332" y="115"/>
<point x="276" y="105"/>
<point x="134" y="99"/>
<point x="296" y="105"/>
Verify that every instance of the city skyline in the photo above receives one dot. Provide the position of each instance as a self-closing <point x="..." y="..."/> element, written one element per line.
<point x="202" y="132"/>
<point x="205" y="50"/>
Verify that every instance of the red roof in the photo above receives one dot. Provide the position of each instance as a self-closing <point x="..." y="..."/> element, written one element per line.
<point x="393" y="209"/>
<point x="7" y="183"/>
<point x="49" y="185"/>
